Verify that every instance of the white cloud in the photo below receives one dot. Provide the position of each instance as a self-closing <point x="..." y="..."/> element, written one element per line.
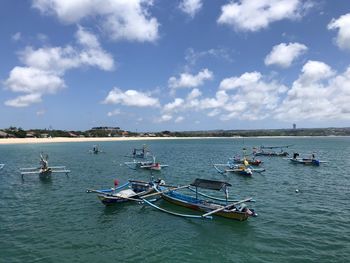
<point x="343" y="26"/>
<point x="164" y="118"/>
<point x="33" y="80"/>
<point x="246" y="79"/>
<point x="314" y="71"/>
<point x="195" y="93"/>
<point x="123" y="19"/>
<point x="318" y="94"/>
<point x="45" y="67"/>
<point x="247" y="97"/>
<point x="193" y="56"/>
<point x="173" y="106"/>
<point x="130" y="98"/>
<point x="191" y="7"/>
<point x="190" y="81"/>
<point x="284" y="54"/>
<point x="61" y="59"/>
<point x="24" y="101"/>
<point x="113" y="113"/>
<point x="214" y="113"/>
<point x="219" y="101"/>
<point x="17" y="36"/>
<point x="179" y="119"/>
<point x="253" y="15"/>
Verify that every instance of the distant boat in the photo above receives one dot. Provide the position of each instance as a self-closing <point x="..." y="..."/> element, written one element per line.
<point x="263" y="152"/>
<point x="95" y="150"/>
<point x="241" y="169"/>
<point x="254" y="162"/>
<point x="307" y="161"/>
<point x="44" y="170"/>
<point x="140" y="153"/>
<point x="149" y="165"/>
<point x="1" y="165"/>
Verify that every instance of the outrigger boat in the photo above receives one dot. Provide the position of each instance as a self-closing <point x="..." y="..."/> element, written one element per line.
<point x="149" y="165"/>
<point x="239" y="160"/>
<point x="132" y="190"/>
<point x="232" y="209"/>
<point x="308" y="161"/>
<point x="44" y="170"/>
<point x="262" y="152"/>
<point x="95" y="150"/>
<point x="139" y="153"/>
<point x="241" y="169"/>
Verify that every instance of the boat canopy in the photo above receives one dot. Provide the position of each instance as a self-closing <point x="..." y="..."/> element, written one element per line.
<point x="209" y="184"/>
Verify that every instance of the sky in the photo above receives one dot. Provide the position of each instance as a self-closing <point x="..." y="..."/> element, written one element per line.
<point x="154" y="65"/>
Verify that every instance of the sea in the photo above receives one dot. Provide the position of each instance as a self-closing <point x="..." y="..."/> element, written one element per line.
<point x="303" y="211"/>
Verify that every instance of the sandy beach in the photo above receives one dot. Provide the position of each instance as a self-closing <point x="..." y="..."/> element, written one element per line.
<point x="95" y="139"/>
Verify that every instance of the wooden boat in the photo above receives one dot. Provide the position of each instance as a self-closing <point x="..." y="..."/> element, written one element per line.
<point x="254" y="162"/>
<point x="132" y="190"/>
<point x="95" y="150"/>
<point x="262" y="152"/>
<point x="231" y="209"/>
<point x="270" y="153"/>
<point x="44" y="170"/>
<point x="307" y="161"/>
<point x="149" y="165"/>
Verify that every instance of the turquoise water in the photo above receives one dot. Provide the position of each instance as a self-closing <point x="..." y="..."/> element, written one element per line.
<point x="56" y="221"/>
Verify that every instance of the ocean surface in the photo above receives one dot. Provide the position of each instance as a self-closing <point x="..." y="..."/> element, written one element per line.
<point x="55" y="220"/>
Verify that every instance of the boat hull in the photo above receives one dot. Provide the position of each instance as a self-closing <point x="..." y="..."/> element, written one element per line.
<point x="306" y="161"/>
<point x="203" y="206"/>
<point x="139" y="189"/>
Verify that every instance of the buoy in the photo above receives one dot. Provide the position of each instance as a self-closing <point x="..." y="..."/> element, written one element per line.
<point x="296" y="190"/>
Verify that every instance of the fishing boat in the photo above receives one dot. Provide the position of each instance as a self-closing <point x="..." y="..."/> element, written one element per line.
<point x="239" y="160"/>
<point x="209" y="205"/>
<point x="1" y="165"/>
<point x="139" y="153"/>
<point x="44" y="170"/>
<point x="271" y="152"/>
<point x="307" y="161"/>
<point x="148" y="165"/>
<point x="95" y="150"/>
<point x="132" y="190"/>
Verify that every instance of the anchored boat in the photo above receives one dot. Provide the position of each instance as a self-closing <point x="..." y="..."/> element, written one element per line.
<point x="307" y="161"/>
<point x="209" y="205"/>
<point x="149" y="165"/>
<point x="132" y="190"/>
<point x="44" y="170"/>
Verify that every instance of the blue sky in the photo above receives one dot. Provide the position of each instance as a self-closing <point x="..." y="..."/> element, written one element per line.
<point x="152" y="65"/>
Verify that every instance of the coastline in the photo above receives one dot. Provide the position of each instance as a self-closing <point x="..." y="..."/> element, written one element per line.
<point x="4" y="141"/>
<point x="93" y="139"/>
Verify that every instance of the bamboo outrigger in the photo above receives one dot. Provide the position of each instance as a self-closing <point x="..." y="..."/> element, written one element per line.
<point x="236" y="210"/>
<point x="132" y="190"/>
<point x="149" y="165"/>
<point x="44" y="170"/>
<point x="307" y="161"/>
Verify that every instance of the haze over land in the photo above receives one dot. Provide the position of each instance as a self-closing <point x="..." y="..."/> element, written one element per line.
<point x="185" y="65"/>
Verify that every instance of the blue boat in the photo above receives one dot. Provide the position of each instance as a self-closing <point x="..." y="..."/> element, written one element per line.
<point x="132" y="190"/>
<point x="232" y="209"/>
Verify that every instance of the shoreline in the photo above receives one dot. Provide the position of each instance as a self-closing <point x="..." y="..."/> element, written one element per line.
<point x="4" y="141"/>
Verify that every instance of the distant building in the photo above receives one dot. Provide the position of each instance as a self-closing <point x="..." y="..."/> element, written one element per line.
<point x="294" y="126"/>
